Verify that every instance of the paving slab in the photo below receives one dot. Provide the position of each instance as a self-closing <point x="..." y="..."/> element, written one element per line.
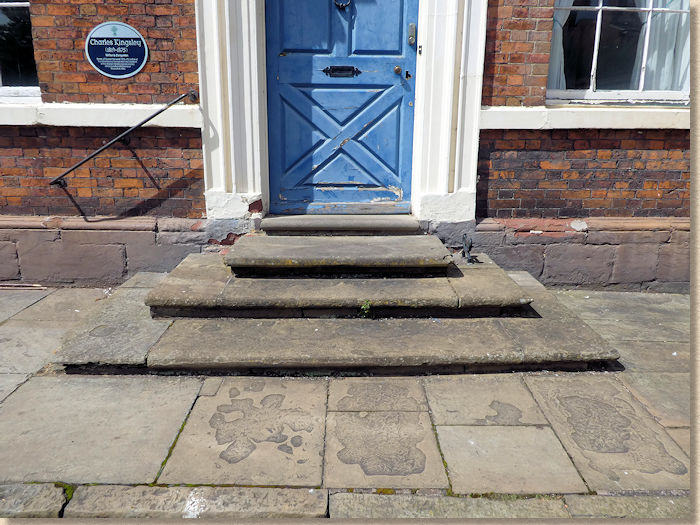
<point x="245" y="343"/>
<point x="144" y="280"/>
<point x="14" y="301"/>
<point x="557" y="340"/>
<point x="382" y="449"/>
<point x="614" y="442"/>
<point x="260" y="251"/>
<point x="488" y="399"/>
<point x="682" y="437"/>
<point x="490" y="287"/>
<point x="399" y="506"/>
<point x="114" y="501"/>
<point x="31" y="501"/>
<point x="66" y="305"/>
<point x="255" y="431"/>
<point x="377" y="224"/>
<point x="9" y="382"/>
<point x="525" y="280"/>
<point x="637" y="507"/>
<point x="27" y="346"/>
<point x="507" y="460"/>
<point x="665" y="395"/>
<point x="591" y="304"/>
<point x="643" y="356"/>
<point x="376" y="394"/>
<point x="119" y="331"/>
<point x="629" y="330"/>
<point x="90" y="429"/>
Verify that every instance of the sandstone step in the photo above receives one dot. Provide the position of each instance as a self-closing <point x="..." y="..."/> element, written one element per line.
<point x="340" y="225"/>
<point x="348" y="253"/>
<point x="202" y="286"/>
<point x="210" y="344"/>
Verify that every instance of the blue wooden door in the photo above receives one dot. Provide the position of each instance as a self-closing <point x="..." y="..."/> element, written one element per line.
<point x="341" y="83"/>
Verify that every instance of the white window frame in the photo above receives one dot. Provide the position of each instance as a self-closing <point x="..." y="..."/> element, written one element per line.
<point x="19" y="94"/>
<point x="629" y="96"/>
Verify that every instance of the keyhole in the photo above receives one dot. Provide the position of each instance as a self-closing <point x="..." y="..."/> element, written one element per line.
<point x="408" y="75"/>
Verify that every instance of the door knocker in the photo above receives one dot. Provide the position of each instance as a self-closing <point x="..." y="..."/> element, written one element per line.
<point x="342" y="5"/>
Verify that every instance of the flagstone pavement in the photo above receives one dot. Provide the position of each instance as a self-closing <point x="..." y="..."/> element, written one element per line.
<point x="541" y="444"/>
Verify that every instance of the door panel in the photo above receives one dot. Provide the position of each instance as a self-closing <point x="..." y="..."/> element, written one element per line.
<point x="340" y="118"/>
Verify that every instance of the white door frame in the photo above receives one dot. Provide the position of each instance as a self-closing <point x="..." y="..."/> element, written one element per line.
<point x="233" y="84"/>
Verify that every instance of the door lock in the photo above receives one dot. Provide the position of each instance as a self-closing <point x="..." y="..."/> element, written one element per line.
<point x="397" y="70"/>
<point x="411" y="34"/>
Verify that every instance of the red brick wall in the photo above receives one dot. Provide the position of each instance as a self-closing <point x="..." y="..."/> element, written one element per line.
<point x="159" y="173"/>
<point x="584" y="173"/>
<point x="518" y="36"/>
<point x="59" y="28"/>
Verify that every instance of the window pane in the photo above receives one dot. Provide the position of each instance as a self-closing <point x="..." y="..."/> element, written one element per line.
<point x="621" y="49"/>
<point x="17" y="67"/>
<point x="673" y="4"/>
<point x="668" y="61"/>
<point x="626" y="3"/>
<point x="578" y="38"/>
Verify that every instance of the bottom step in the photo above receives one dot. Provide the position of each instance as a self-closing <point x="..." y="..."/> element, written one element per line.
<point x="208" y="344"/>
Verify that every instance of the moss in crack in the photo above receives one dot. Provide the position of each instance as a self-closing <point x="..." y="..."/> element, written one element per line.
<point x="68" y="490"/>
<point x="366" y="309"/>
<point x="385" y="491"/>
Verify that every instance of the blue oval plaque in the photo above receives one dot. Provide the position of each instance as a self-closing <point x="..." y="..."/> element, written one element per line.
<point x="116" y="50"/>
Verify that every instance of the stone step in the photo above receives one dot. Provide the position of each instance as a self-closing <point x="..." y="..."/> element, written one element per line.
<point x="210" y="344"/>
<point x="254" y="253"/>
<point x="340" y="225"/>
<point x="202" y="286"/>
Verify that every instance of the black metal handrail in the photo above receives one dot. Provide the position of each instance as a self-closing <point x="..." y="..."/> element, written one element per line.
<point x="60" y="181"/>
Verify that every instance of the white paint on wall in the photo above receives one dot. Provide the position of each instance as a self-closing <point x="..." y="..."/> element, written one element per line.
<point x="227" y="205"/>
<point x="446" y="207"/>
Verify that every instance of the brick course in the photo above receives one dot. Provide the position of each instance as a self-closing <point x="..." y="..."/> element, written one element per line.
<point x="584" y="173"/>
<point x="159" y="173"/>
<point x="518" y="36"/>
<point x="59" y="29"/>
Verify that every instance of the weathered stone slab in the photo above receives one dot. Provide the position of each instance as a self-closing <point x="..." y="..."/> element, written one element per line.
<point x="529" y="257"/>
<point x="9" y="264"/>
<point x="429" y="292"/>
<point x="674" y="263"/>
<point x="666" y="395"/>
<point x="195" y="502"/>
<point x="613" y="441"/>
<point x="144" y="280"/>
<point x="526" y="280"/>
<point x="341" y="223"/>
<point x="244" y="343"/>
<point x="682" y="437"/>
<point x="64" y="305"/>
<point x="373" y="506"/>
<point x="28" y="346"/>
<point x="642" y="356"/>
<point x="507" y="460"/>
<point x="259" y="251"/>
<point x="9" y="382"/>
<point x="14" y="301"/>
<point x="486" y="288"/>
<point x="30" y="501"/>
<point x="58" y="262"/>
<point x="636" y="507"/>
<point x="629" y="330"/>
<point x="488" y="399"/>
<point x="158" y="257"/>
<point x="255" y="431"/>
<point x="628" y="237"/>
<point x="590" y="304"/>
<point x="92" y="429"/>
<point x="635" y="263"/>
<point x="382" y="449"/>
<point x="577" y="264"/>
<point x="568" y="339"/>
<point x="120" y="331"/>
<point x="376" y="394"/>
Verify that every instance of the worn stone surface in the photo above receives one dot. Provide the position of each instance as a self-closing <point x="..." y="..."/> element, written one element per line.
<point x="119" y="331"/>
<point x="139" y="239"/>
<point x="8" y="383"/>
<point x="237" y="343"/>
<point x="642" y="356"/>
<point x="527" y="257"/>
<point x="508" y="460"/>
<point x="67" y="305"/>
<point x="310" y="252"/>
<point x="613" y="441"/>
<point x="187" y="237"/>
<point x="591" y="304"/>
<point x="544" y="237"/>
<point x="488" y="399"/>
<point x="158" y="257"/>
<point x="638" y="507"/>
<point x="382" y="449"/>
<point x="577" y="264"/>
<point x="674" y="262"/>
<point x="641" y="330"/>
<point x="14" y="301"/>
<point x="195" y="502"/>
<point x="30" y="501"/>
<point x="372" y="506"/>
<point x="59" y="262"/>
<point x="682" y="437"/>
<point x="27" y="346"/>
<point x="330" y="223"/>
<point x="450" y="233"/>
<point x="526" y="280"/>
<point x="568" y="339"/>
<point x="92" y="429"/>
<point x="9" y="263"/>
<point x="376" y="394"/>
<point x="144" y="280"/>
<point x="211" y="386"/>
<point x="666" y="395"/>
<point x="255" y="431"/>
<point x="490" y="287"/>
<point x="628" y="237"/>
<point x="635" y="263"/>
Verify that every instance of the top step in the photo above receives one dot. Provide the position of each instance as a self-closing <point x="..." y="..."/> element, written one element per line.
<point x="262" y="252"/>
<point x="341" y="225"/>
